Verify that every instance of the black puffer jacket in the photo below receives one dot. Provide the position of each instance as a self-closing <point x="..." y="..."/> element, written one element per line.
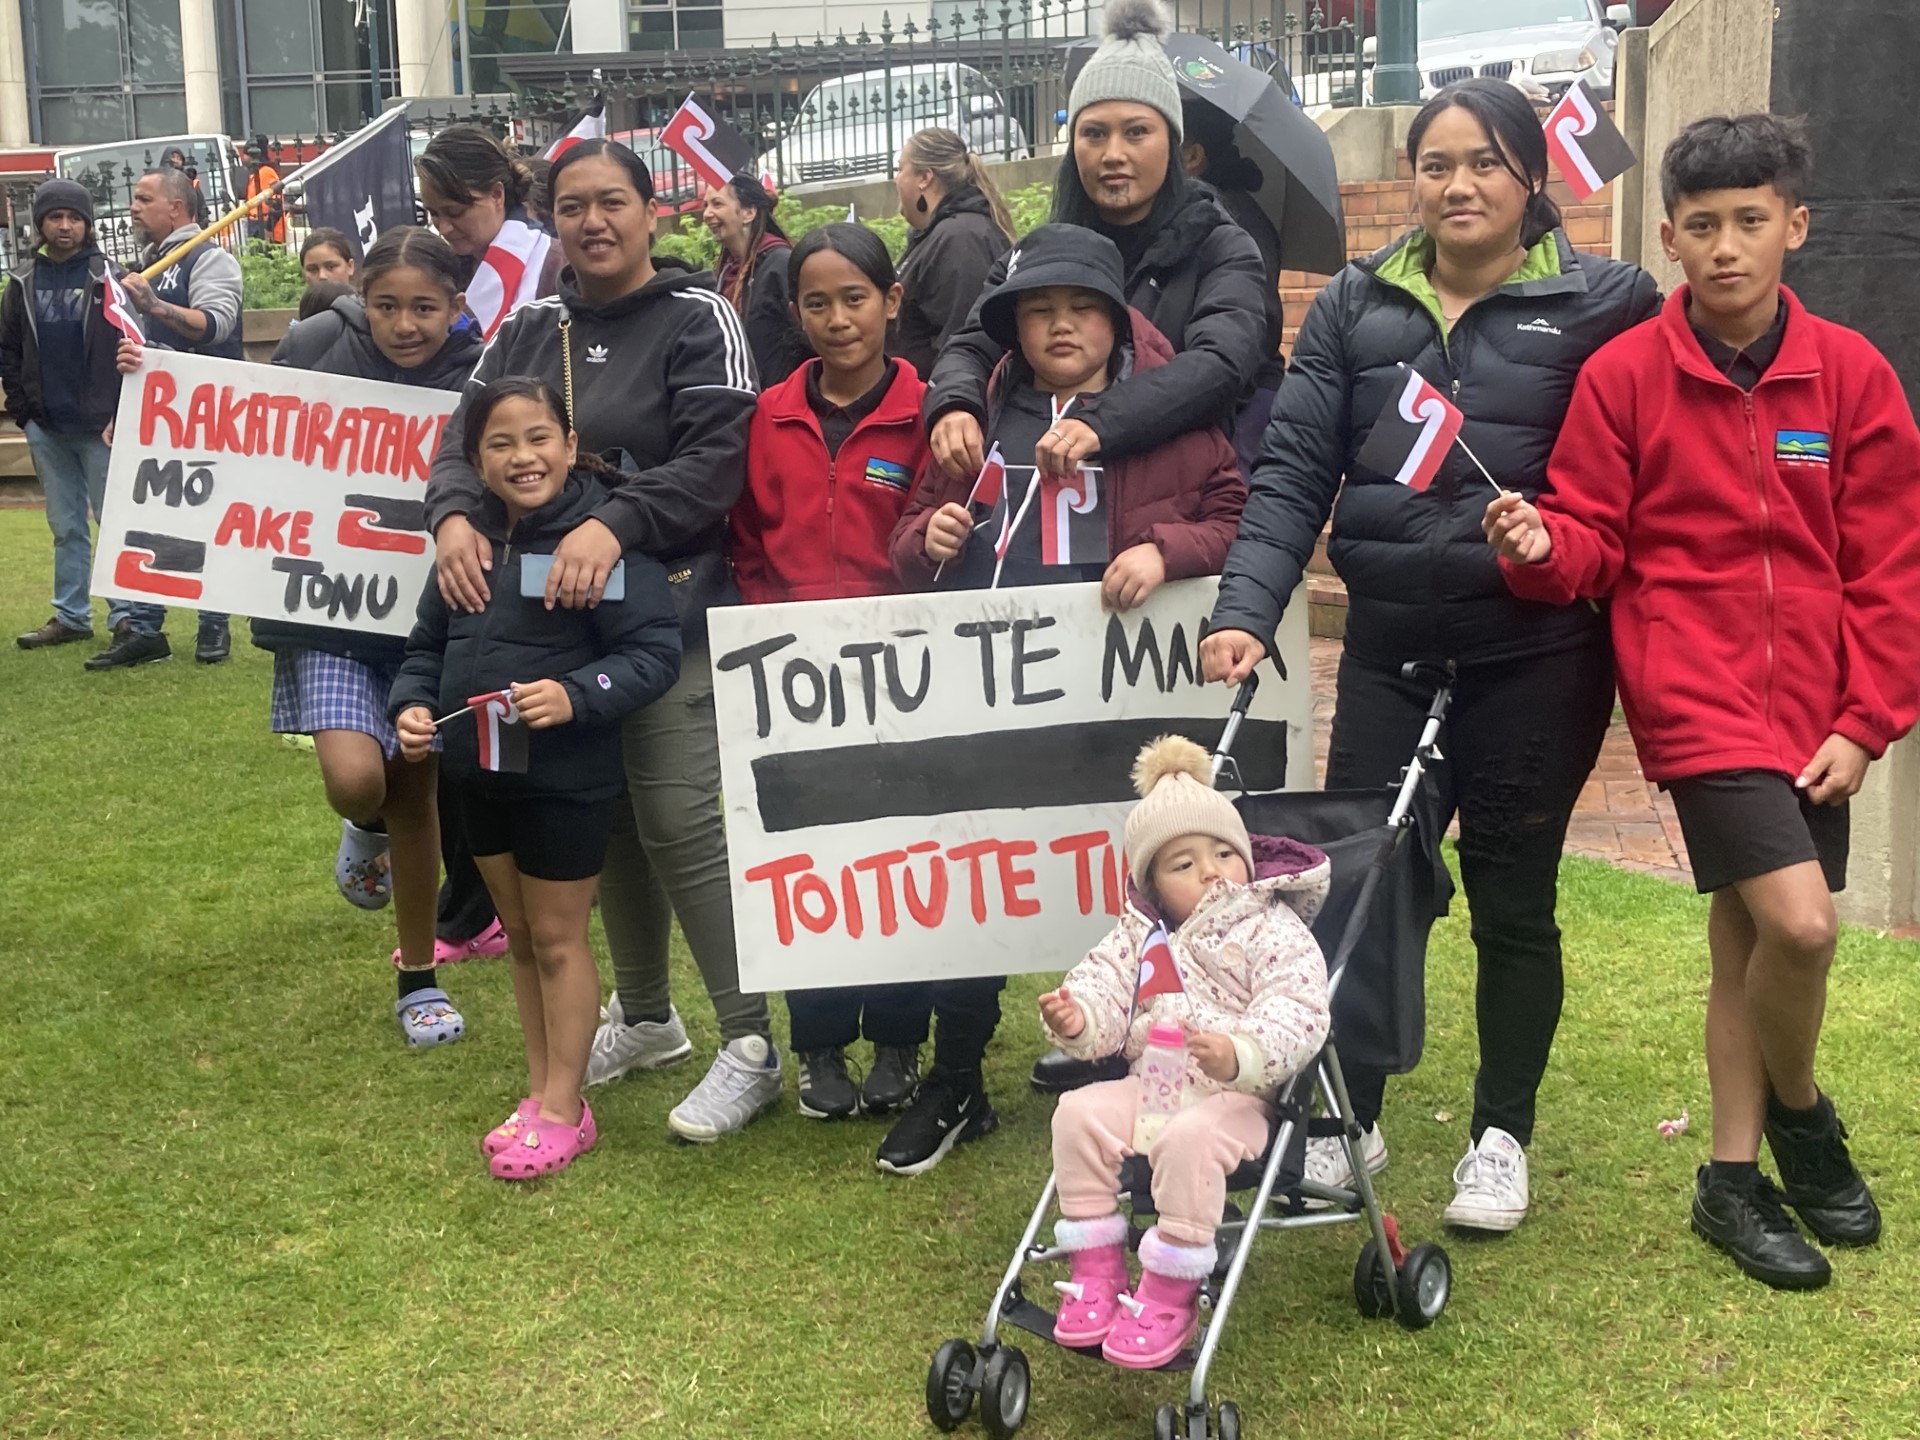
<point x="1198" y="279"/>
<point x="1422" y="582"/>
<point x="942" y="274"/>
<point x="337" y="341"/>
<point x="616" y="658"/>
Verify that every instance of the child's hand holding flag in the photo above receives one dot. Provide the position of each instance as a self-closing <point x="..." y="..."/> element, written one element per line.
<point x="1062" y="1013"/>
<point x="415" y="727"/>
<point x="542" y="704"/>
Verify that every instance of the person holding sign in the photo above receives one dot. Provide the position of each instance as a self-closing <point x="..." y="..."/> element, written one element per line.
<point x="403" y="329"/>
<point x="1739" y="478"/>
<point x="538" y="828"/>
<point x="661" y="378"/>
<point x="833" y="451"/>
<point x="1162" y="514"/>
<point x="1215" y="944"/>
<point x="1481" y="318"/>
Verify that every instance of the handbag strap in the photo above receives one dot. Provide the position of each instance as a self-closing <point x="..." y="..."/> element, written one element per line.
<point x="566" y="363"/>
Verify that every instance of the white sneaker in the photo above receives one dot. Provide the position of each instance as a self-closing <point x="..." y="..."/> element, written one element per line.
<point x="744" y="1080"/>
<point x="1327" y="1161"/>
<point x="1490" y="1185"/>
<point x="648" y="1045"/>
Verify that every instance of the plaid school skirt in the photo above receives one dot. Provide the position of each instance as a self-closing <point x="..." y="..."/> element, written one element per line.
<point x="313" y="691"/>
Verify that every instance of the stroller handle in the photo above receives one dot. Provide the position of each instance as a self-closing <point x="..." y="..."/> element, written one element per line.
<point x="1242" y="702"/>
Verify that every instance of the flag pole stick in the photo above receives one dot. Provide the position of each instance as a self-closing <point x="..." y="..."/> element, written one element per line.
<point x="451" y="715"/>
<point x="1481" y="468"/>
<point x="1014" y="528"/>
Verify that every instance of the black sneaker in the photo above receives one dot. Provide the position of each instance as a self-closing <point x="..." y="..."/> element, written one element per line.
<point x="826" y="1092"/>
<point x="950" y="1109"/>
<point x="214" y="643"/>
<point x="1056" y="1072"/>
<point x="1751" y="1224"/>
<point x="893" y="1079"/>
<point x="131" y="649"/>
<point x="1820" y="1179"/>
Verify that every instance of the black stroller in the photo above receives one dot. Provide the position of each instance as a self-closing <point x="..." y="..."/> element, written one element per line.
<point x="1388" y="886"/>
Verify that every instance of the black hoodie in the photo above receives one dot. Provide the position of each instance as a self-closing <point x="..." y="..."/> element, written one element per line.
<point x="338" y="342"/>
<point x="942" y="276"/>
<point x="616" y="658"/>
<point x="664" y="390"/>
<point x="1191" y="271"/>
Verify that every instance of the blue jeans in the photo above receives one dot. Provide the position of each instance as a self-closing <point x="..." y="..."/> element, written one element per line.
<point x="73" y="476"/>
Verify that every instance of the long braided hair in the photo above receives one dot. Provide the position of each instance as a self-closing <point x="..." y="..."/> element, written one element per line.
<point x="752" y="196"/>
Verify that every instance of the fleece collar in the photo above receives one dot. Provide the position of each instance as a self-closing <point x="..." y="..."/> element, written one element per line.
<point x="1799" y="354"/>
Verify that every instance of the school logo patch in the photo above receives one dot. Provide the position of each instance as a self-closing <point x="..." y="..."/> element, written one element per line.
<point x="885" y="472"/>
<point x="1809" y="447"/>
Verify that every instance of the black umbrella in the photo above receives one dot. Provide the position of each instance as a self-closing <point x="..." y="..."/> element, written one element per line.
<point x="1299" y="190"/>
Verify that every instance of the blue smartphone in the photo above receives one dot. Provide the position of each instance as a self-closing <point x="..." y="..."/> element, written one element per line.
<point x="534" y="570"/>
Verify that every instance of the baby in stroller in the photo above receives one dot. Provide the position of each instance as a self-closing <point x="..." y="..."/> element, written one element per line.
<point x="1242" y="976"/>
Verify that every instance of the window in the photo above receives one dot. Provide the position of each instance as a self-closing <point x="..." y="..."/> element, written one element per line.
<point x="656" y="25"/>
<point x="107" y="71"/>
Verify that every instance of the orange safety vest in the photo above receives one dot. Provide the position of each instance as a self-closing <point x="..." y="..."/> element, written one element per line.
<point x="270" y="220"/>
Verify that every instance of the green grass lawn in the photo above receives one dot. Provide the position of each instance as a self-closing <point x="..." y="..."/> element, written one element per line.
<point x="236" y="1205"/>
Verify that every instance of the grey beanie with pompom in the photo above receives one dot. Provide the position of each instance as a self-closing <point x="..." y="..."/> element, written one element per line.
<point x="1174" y="780"/>
<point x="1131" y="64"/>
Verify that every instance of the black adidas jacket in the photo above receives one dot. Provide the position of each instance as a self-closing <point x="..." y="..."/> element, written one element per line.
<point x="338" y="342"/>
<point x="1199" y="280"/>
<point x="1422" y="582"/>
<point x="616" y="658"/>
<point x="664" y="390"/>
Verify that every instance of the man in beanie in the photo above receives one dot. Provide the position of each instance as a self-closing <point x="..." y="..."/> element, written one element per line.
<point x="1160" y="514"/>
<point x="1187" y="268"/>
<point x="1215" y="943"/>
<point x="57" y="366"/>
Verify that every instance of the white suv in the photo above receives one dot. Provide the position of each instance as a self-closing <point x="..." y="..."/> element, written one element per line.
<point x="853" y="127"/>
<point x="1552" y="42"/>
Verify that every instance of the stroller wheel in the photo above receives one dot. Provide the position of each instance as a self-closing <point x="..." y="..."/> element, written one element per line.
<point x="1004" y="1391"/>
<point x="1372" y="1284"/>
<point x="1226" y="1424"/>
<point x="1426" y="1280"/>
<point x="1166" y="1423"/>
<point x="949" y="1391"/>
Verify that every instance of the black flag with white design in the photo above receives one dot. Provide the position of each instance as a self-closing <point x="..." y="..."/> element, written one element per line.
<point x="367" y="191"/>
<point x="1586" y="144"/>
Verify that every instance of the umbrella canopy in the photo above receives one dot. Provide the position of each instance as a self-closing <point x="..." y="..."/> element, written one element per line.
<point x="1299" y="190"/>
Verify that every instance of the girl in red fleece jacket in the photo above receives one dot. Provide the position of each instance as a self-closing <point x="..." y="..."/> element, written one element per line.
<point x="1743" y="478"/>
<point x="832" y="454"/>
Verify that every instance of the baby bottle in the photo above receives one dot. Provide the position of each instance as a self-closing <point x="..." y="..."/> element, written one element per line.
<point x="1163" y="1079"/>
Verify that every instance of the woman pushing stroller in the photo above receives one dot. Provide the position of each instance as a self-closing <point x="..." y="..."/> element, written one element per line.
<point x="1248" y="991"/>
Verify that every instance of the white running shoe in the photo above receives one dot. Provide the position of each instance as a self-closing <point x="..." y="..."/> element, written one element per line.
<point x="646" y="1045"/>
<point x="1327" y="1161"/>
<point x="1490" y="1185"/>
<point x="744" y="1080"/>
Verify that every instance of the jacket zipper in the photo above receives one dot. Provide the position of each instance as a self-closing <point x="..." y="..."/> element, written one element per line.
<point x="1766" y="544"/>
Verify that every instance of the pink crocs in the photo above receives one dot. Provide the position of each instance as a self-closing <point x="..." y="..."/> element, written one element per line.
<point x="1163" y="1312"/>
<point x="488" y="943"/>
<point x="543" y="1147"/>
<point x="508" y="1130"/>
<point x="1090" y="1299"/>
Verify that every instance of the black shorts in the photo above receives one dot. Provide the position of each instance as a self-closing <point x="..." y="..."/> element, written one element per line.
<point x="1743" y="823"/>
<point x="549" y="838"/>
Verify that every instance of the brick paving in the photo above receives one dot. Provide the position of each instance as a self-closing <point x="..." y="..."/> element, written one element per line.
<point x="1619" y="818"/>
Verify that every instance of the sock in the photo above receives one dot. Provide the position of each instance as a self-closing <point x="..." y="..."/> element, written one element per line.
<point x="1739" y="1174"/>
<point x="652" y="1017"/>
<point x="412" y="980"/>
<point x="1813" y="1120"/>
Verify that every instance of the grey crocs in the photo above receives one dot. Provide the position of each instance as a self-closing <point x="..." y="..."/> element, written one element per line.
<point x="427" y="1017"/>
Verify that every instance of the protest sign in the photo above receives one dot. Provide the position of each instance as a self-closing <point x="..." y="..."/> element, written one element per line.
<point x="274" y="493"/>
<point x="933" y="786"/>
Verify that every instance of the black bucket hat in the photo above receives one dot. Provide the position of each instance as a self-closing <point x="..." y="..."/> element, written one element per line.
<point x="1056" y="255"/>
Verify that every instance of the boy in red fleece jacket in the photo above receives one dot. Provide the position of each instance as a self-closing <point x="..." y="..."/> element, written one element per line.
<point x="1743" y="478"/>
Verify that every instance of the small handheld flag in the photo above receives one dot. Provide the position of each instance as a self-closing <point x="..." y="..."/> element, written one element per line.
<point x="1585" y="143"/>
<point x="988" y="486"/>
<point x="119" y="310"/>
<point x="1158" y="974"/>
<point x="503" y="739"/>
<point x="590" y="124"/>
<point x="713" y="148"/>
<point x="1073" y="521"/>
<point x="1410" y="439"/>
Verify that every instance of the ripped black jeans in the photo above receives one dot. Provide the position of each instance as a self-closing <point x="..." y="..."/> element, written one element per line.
<point x="1518" y="746"/>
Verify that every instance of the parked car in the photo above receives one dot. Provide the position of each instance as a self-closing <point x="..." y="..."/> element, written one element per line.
<point x="1553" y="42"/>
<point x="111" y="171"/>
<point x="853" y="127"/>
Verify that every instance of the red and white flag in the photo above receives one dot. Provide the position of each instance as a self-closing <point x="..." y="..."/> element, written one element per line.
<point x="590" y="125"/>
<point x="1073" y="521"/>
<point x="508" y="276"/>
<point x="503" y="739"/>
<point x="711" y="146"/>
<point x="1158" y="974"/>
<point x="989" y="485"/>
<point x="1585" y="143"/>
<point x="1410" y="439"/>
<point x="119" y="310"/>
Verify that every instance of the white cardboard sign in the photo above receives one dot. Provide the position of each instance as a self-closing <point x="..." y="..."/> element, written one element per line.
<point x="935" y="786"/>
<point x="268" y="492"/>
